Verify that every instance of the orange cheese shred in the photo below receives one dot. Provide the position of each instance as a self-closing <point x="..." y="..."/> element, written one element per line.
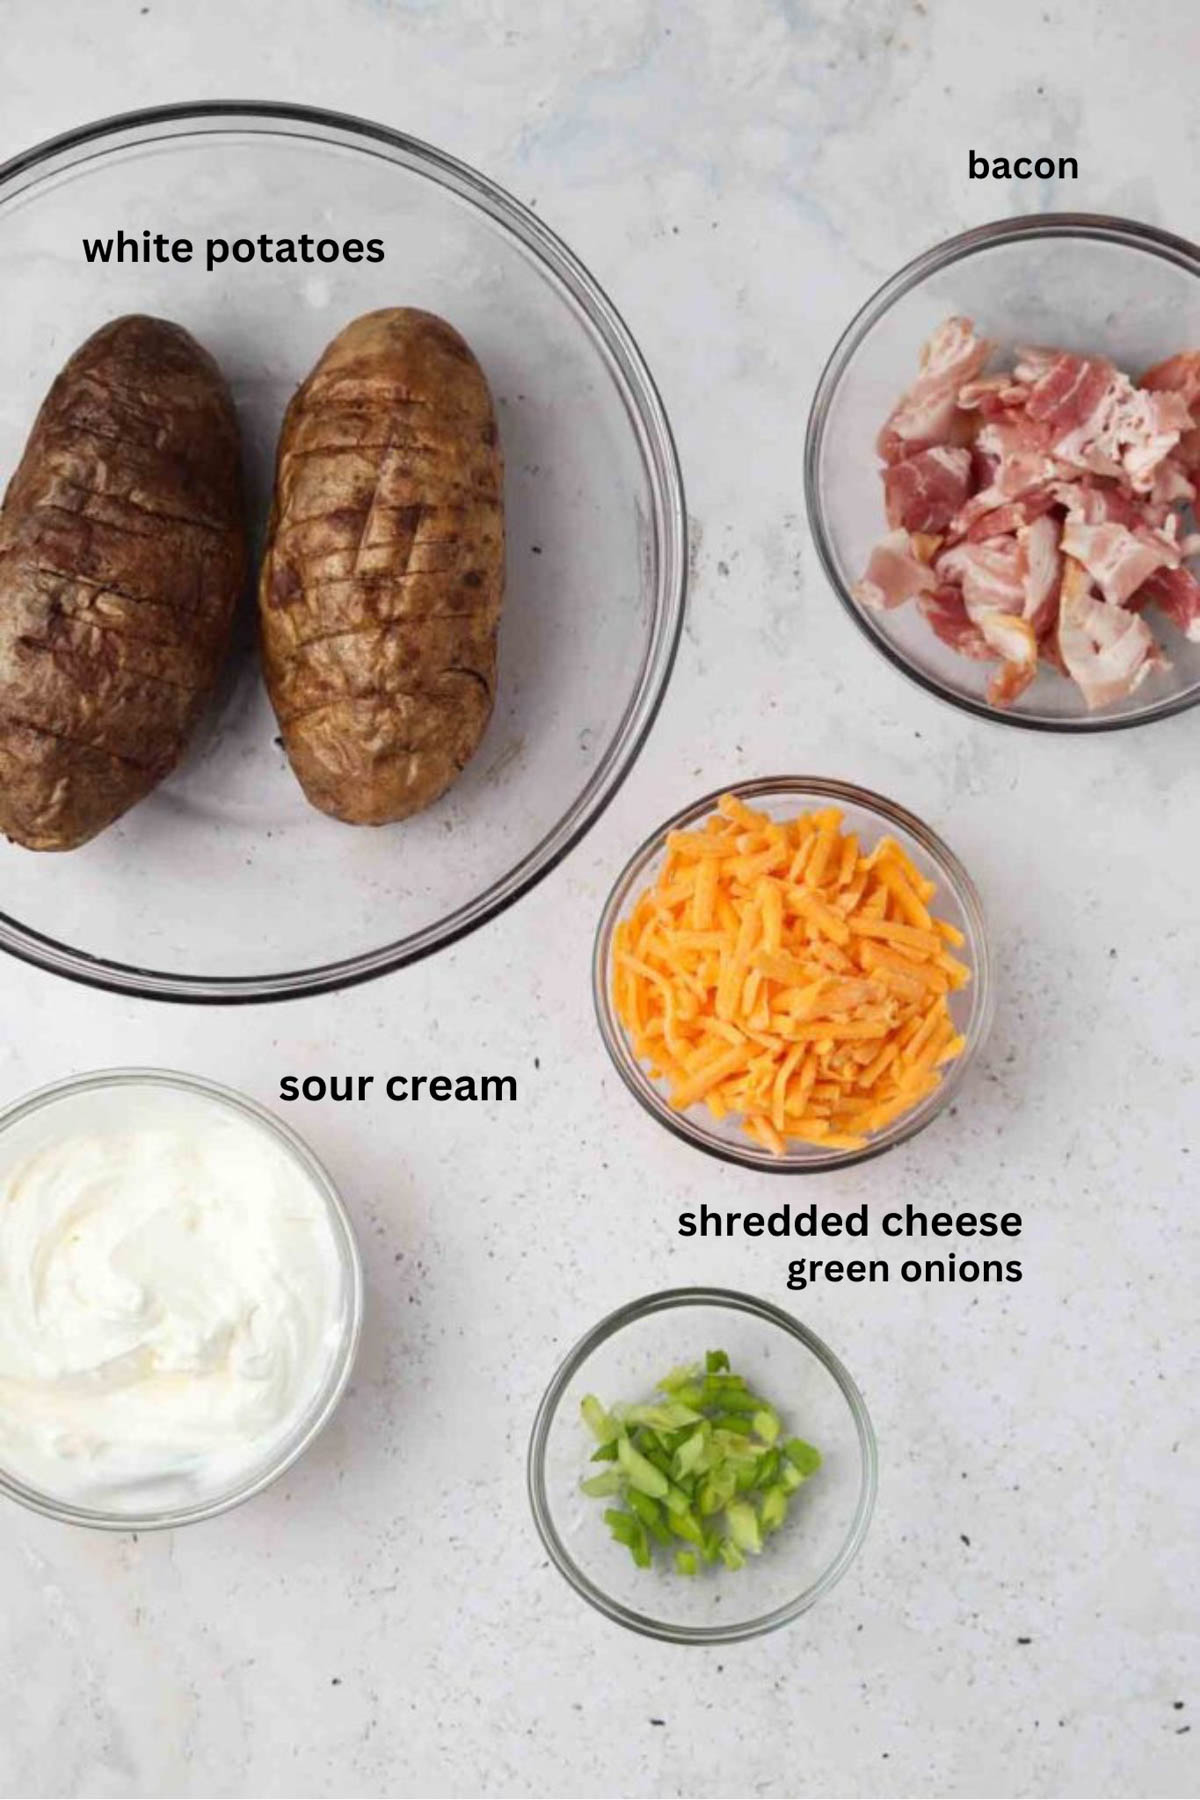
<point x="780" y="973"/>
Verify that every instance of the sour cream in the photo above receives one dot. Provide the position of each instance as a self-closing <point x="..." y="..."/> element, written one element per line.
<point x="173" y="1298"/>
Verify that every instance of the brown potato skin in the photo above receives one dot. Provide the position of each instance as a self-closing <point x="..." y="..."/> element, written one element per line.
<point x="122" y="555"/>
<point x="382" y="585"/>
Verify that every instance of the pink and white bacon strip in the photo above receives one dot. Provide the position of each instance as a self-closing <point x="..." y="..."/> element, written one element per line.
<point x="1036" y="513"/>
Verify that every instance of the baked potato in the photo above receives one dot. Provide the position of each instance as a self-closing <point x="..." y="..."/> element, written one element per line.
<point x="122" y="555"/>
<point x="381" y="588"/>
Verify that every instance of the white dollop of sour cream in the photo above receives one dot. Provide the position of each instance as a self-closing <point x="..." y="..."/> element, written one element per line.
<point x="172" y="1299"/>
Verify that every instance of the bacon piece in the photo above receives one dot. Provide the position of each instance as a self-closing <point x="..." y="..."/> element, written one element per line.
<point x="1176" y="594"/>
<point x="1012" y="515"/>
<point x="926" y="414"/>
<point x="1018" y="463"/>
<point x="924" y="492"/>
<point x="991" y="395"/>
<point x="1039" y="543"/>
<point x="1032" y="361"/>
<point x="1100" y="422"/>
<point x="944" y="611"/>
<point x="1117" y="559"/>
<point x="1173" y="485"/>
<point x="1095" y="502"/>
<point x="1181" y="375"/>
<point x="1107" y="650"/>
<point x="993" y="590"/>
<point x="991" y="574"/>
<point x="1010" y="681"/>
<point x="1069" y="392"/>
<point x="894" y="574"/>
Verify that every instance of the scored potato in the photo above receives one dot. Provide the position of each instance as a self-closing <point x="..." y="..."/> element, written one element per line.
<point x="122" y="554"/>
<point x="381" y="588"/>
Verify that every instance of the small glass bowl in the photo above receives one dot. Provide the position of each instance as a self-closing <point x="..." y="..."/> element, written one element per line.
<point x="871" y="816"/>
<point x="1072" y="280"/>
<point x="88" y="1097"/>
<point x="619" y="1360"/>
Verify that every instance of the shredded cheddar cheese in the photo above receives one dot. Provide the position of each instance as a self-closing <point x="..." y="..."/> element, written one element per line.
<point x="780" y="974"/>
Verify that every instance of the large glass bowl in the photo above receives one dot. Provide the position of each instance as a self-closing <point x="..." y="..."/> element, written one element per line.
<point x="620" y="1359"/>
<point x="871" y="816"/>
<point x="90" y="1102"/>
<point x="225" y="885"/>
<point x="1070" y="280"/>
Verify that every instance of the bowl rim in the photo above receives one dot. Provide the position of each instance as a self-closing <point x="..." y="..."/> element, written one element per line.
<point x="1100" y="227"/>
<point x="664" y="1300"/>
<point x="648" y="421"/>
<point x="752" y="1156"/>
<point x="328" y="1397"/>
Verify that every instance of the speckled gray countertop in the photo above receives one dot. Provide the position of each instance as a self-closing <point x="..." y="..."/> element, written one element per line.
<point x="1023" y="1619"/>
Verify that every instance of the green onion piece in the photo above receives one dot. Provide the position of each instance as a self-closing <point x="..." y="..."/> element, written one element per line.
<point x="669" y="1417"/>
<point x="730" y="1397"/>
<point x="685" y="1562"/>
<point x="732" y="1421"/>
<point x="687" y="1526"/>
<point x="599" y="1487"/>
<point x="650" y="1513"/>
<point x="646" y="1442"/>
<point x="642" y="1474"/>
<point x="803" y="1458"/>
<point x="606" y="1452"/>
<point x="744" y="1526"/>
<point x="774" y="1508"/>
<point x="690" y="1453"/>
<point x="766" y="1424"/>
<point x="601" y="1424"/>
<point x="679" y="1376"/>
<point x="731" y="1556"/>
<point x="715" y="1361"/>
<point x="623" y="1525"/>
<point x="767" y="1471"/>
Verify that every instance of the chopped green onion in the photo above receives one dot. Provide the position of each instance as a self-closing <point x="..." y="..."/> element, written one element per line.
<point x="705" y="1452"/>
<point x="601" y="1425"/>
<point x="774" y="1508"/>
<point x="743" y="1526"/>
<point x="599" y="1487"/>
<point x="766" y="1425"/>
<point x="650" y="1513"/>
<point x="642" y="1474"/>
<point x="803" y="1458"/>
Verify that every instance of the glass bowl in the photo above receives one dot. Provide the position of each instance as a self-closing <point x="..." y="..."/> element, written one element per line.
<point x="871" y="816"/>
<point x="86" y="1101"/>
<point x="225" y="885"/>
<point x="620" y="1360"/>
<point x="1070" y="280"/>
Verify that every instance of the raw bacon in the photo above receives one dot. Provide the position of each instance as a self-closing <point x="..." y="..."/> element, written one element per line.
<point x="928" y="413"/>
<point x="1036" y="512"/>
<point x="894" y="574"/>
<point x="944" y="610"/>
<point x="923" y="492"/>
<point x="1176" y="594"/>
<point x="1107" y="650"/>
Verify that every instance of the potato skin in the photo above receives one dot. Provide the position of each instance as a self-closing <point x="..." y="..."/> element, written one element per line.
<point x="382" y="585"/>
<point x="122" y="555"/>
